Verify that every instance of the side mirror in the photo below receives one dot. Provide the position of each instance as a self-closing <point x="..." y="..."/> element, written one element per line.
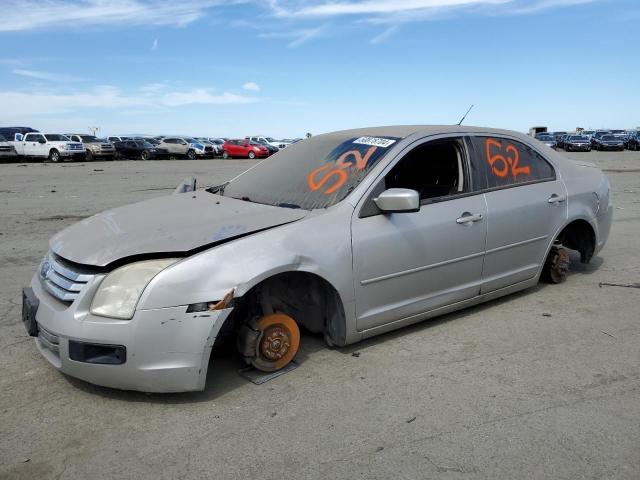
<point x="398" y="200"/>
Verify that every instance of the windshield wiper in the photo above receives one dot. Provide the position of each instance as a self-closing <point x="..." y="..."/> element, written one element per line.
<point x="219" y="189"/>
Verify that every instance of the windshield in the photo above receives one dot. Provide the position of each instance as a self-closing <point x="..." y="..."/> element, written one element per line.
<point x="89" y="139"/>
<point x="190" y="140"/>
<point x="269" y="139"/>
<point x="316" y="173"/>
<point x="56" y="138"/>
<point x="144" y="144"/>
<point x="2" y="139"/>
<point x="578" y="138"/>
<point x="545" y="138"/>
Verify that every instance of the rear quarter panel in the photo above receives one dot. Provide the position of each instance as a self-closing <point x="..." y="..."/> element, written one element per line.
<point x="589" y="197"/>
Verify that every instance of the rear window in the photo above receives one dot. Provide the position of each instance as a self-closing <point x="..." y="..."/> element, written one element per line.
<point x="54" y="137"/>
<point x="508" y="162"/>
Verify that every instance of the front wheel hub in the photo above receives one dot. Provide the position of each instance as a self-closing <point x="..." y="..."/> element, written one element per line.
<point x="278" y="344"/>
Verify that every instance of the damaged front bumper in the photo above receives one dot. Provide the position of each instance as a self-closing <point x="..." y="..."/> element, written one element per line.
<point x="158" y="350"/>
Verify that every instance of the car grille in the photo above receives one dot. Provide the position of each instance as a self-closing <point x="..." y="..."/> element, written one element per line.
<point x="208" y="149"/>
<point x="75" y="146"/>
<point x="107" y="148"/>
<point x="61" y="280"/>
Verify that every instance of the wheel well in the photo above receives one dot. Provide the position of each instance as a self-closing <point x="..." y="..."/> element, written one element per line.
<point x="309" y="299"/>
<point x="579" y="235"/>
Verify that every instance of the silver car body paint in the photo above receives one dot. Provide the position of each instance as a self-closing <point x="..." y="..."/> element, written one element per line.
<point x="389" y="270"/>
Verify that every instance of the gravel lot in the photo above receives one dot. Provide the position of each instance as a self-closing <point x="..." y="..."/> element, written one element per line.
<point x="541" y="384"/>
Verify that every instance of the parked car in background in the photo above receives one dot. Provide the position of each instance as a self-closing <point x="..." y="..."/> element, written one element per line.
<point x="7" y="150"/>
<point x="597" y="135"/>
<point x="217" y="148"/>
<point x="114" y="139"/>
<point x="181" y="147"/>
<point x="244" y="148"/>
<point x="263" y="141"/>
<point x="577" y="143"/>
<point x="51" y="146"/>
<point x="270" y="140"/>
<point x="218" y="144"/>
<point x="588" y="133"/>
<point x="607" y="142"/>
<point x="547" y="139"/>
<point x="633" y="141"/>
<point x="140" y="149"/>
<point x="561" y="140"/>
<point x="95" y="148"/>
<point x="15" y="134"/>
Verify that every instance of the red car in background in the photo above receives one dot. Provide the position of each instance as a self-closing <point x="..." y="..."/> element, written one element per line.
<point x="244" y="148"/>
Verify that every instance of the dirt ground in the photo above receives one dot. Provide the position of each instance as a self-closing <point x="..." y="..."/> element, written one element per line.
<point x="541" y="384"/>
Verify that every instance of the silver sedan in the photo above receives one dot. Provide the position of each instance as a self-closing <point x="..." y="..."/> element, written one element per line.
<point x="347" y="235"/>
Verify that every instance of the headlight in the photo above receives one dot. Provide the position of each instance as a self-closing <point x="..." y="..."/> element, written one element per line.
<point x="120" y="291"/>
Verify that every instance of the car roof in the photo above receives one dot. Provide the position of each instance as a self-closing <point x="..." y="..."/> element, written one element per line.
<point x="403" y="131"/>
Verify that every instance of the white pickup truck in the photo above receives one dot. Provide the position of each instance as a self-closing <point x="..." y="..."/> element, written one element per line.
<point x="52" y="146"/>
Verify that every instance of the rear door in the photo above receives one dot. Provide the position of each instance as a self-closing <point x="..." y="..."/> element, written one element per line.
<point x="236" y="149"/>
<point x="526" y="206"/>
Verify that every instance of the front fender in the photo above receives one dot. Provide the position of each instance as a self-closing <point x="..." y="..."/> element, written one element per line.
<point x="319" y="245"/>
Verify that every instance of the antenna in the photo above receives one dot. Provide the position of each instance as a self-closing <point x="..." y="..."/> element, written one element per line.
<point x="465" y="115"/>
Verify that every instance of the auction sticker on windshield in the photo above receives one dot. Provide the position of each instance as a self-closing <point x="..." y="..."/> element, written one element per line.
<point x="375" y="141"/>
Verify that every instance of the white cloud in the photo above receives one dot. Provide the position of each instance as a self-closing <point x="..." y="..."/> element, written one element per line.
<point x="154" y="45"/>
<point x="49" y="76"/>
<point x="153" y="88"/>
<point x="299" y="36"/>
<point x="391" y="14"/>
<point x="43" y="102"/>
<point x="203" y="96"/>
<point x="405" y="8"/>
<point x="20" y="15"/>
<point x="254" y="87"/>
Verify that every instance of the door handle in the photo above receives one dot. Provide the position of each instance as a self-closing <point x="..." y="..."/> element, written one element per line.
<point x="467" y="218"/>
<point x="556" y="198"/>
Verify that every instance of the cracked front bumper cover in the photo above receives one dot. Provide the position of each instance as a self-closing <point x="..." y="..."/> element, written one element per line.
<point x="167" y="349"/>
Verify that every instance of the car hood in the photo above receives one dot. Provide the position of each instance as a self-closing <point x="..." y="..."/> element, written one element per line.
<point x="170" y="225"/>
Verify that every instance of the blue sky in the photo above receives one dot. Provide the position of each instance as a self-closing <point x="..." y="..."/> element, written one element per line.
<point x="287" y="67"/>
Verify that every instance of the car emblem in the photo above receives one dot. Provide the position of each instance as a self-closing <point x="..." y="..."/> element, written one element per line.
<point x="45" y="268"/>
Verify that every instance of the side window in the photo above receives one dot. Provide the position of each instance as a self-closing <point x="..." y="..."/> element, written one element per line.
<point x="434" y="169"/>
<point x="33" y="138"/>
<point x="508" y="162"/>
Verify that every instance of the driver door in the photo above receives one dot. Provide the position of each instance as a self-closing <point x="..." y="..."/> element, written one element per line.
<point x="33" y="146"/>
<point x="406" y="264"/>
